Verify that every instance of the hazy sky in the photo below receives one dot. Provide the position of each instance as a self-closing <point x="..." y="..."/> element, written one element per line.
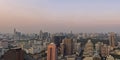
<point x="60" y="15"/>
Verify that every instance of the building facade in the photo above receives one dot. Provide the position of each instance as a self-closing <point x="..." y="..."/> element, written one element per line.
<point x="51" y="52"/>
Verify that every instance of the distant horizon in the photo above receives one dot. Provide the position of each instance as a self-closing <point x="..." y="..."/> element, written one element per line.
<point x="59" y="16"/>
<point x="69" y="31"/>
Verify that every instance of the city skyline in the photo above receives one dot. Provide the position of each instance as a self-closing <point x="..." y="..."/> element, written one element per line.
<point x="60" y="16"/>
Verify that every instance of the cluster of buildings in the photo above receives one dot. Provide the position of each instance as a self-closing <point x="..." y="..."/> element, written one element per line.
<point x="73" y="50"/>
<point x="60" y="46"/>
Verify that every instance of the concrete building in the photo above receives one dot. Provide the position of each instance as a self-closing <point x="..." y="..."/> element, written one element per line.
<point x="110" y="57"/>
<point x="88" y="58"/>
<point x="88" y="50"/>
<point x="51" y="52"/>
<point x="68" y="46"/>
<point x="96" y="56"/>
<point x="14" y="54"/>
<point x="1" y="51"/>
<point x="71" y="58"/>
<point x="112" y="39"/>
<point x="62" y="49"/>
<point x="58" y="40"/>
<point x="97" y="47"/>
<point x="41" y="35"/>
<point x="104" y="50"/>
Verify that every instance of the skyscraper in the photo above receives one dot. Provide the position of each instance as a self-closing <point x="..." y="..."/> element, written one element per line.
<point x="14" y="54"/>
<point x="96" y="56"/>
<point x="40" y="35"/>
<point x="104" y="50"/>
<point x="88" y="50"/>
<point x="14" y="30"/>
<point x="51" y="52"/>
<point x="68" y="46"/>
<point x="112" y="39"/>
<point x="97" y="47"/>
<point x="62" y="49"/>
<point x="14" y="33"/>
<point x="17" y="35"/>
<point x="58" y="40"/>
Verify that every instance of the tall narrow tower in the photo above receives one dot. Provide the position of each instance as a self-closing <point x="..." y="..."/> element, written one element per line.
<point x="51" y="52"/>
<point x="41" y="35"/>
<point x="112" y="39"/>
<point x="14" y="30"/>
<point x="14" y="34"/>
<point x="68" y="46"/>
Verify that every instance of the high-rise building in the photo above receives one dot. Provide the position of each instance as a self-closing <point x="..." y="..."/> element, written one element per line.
<point x="58" y="40"/>
<point x="112" y="39"/>
<point x="104" y="50"/>
<point x="40" y="35"/>
<point x="51" y="52"/>
<point x="88" y="50"/>
<point x="68" y="46"/>
<point x="14" y="34"/>
<point x="17" y="35"/>
<point x="77" y="47"/>
<point x="110" y="57"/>
<point x="96" y="56"/>
<point x="14" y="30"/>
<point x="88" y="58"/>
<point x="14" y="54"/>
<point x="97" y="47"/>
<point x="62" y="49"/>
